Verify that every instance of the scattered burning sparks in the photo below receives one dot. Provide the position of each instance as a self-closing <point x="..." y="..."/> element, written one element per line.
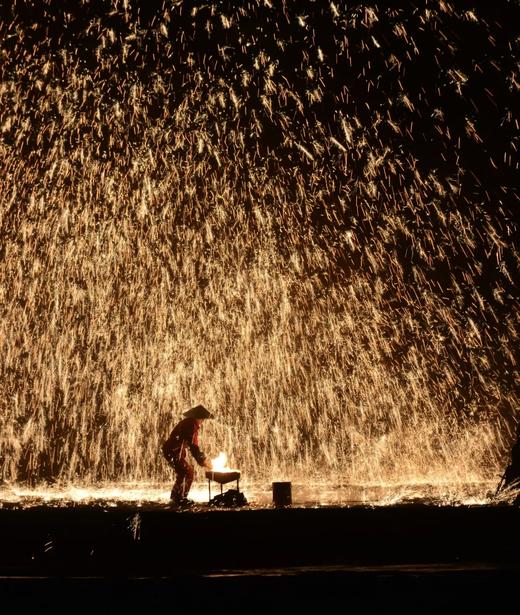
<point x="304" y="216"/>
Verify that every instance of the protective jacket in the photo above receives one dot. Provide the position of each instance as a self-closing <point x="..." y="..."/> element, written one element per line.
<point x="185" y="435"/>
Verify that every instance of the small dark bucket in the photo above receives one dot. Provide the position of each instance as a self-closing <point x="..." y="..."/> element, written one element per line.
<point x="282" y="494"/>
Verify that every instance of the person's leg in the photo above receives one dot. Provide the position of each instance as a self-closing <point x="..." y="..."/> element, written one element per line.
<point x="188" y="479"/>
<point x="177" y="488"/>
<point x="184" y="478"/>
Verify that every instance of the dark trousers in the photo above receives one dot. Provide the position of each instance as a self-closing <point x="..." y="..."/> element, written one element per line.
<point x="183" y="478"/>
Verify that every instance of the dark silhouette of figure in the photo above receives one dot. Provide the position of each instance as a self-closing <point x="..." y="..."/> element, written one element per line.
<point x="183" y="437"/>
<point x="511" y="476"/>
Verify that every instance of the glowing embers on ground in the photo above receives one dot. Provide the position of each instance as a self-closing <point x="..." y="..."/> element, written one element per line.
<point x="315" y="271"/>
<point x="259" y="495"/>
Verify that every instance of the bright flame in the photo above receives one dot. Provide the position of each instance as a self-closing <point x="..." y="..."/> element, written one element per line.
<point x="219" y="464"/>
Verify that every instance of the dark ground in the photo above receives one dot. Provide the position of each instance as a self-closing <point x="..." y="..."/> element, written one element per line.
<point x="410" y="558"/>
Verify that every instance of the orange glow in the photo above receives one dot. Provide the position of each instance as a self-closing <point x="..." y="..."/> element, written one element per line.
<point x="315" y="255"/>
<point x="219" y="464"/>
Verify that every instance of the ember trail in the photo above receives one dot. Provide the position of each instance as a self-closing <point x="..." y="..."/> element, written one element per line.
<point x="297" y="213"/>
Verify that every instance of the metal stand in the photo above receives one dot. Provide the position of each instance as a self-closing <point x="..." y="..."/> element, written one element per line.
<point x="221" y="488"/>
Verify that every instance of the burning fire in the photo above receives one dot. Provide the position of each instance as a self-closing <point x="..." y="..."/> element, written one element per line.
<point x="219" y="464"/>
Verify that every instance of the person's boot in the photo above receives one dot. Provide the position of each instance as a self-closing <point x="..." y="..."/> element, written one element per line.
<point x="175" y="498"/>
<point x="185" y="503"/>
<point x="181" y="503"/>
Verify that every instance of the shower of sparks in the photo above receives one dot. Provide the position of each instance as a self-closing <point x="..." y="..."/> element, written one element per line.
<point x="300" y="214"/>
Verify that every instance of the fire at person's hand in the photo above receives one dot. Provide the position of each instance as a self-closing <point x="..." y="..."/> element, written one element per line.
<point x="219" y="464"/>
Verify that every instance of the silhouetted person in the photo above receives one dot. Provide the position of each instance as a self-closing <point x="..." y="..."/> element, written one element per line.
<point x="511" y="477"/>
<point x="183" y="437"/>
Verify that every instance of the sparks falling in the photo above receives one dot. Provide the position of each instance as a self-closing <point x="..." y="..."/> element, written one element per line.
<point x="298" y="213"/>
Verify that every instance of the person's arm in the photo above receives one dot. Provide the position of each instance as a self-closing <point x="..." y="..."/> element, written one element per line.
<point x="198" y="455"/>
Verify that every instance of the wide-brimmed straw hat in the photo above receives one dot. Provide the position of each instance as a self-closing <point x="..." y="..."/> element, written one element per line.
<point x="198" y="412"/>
